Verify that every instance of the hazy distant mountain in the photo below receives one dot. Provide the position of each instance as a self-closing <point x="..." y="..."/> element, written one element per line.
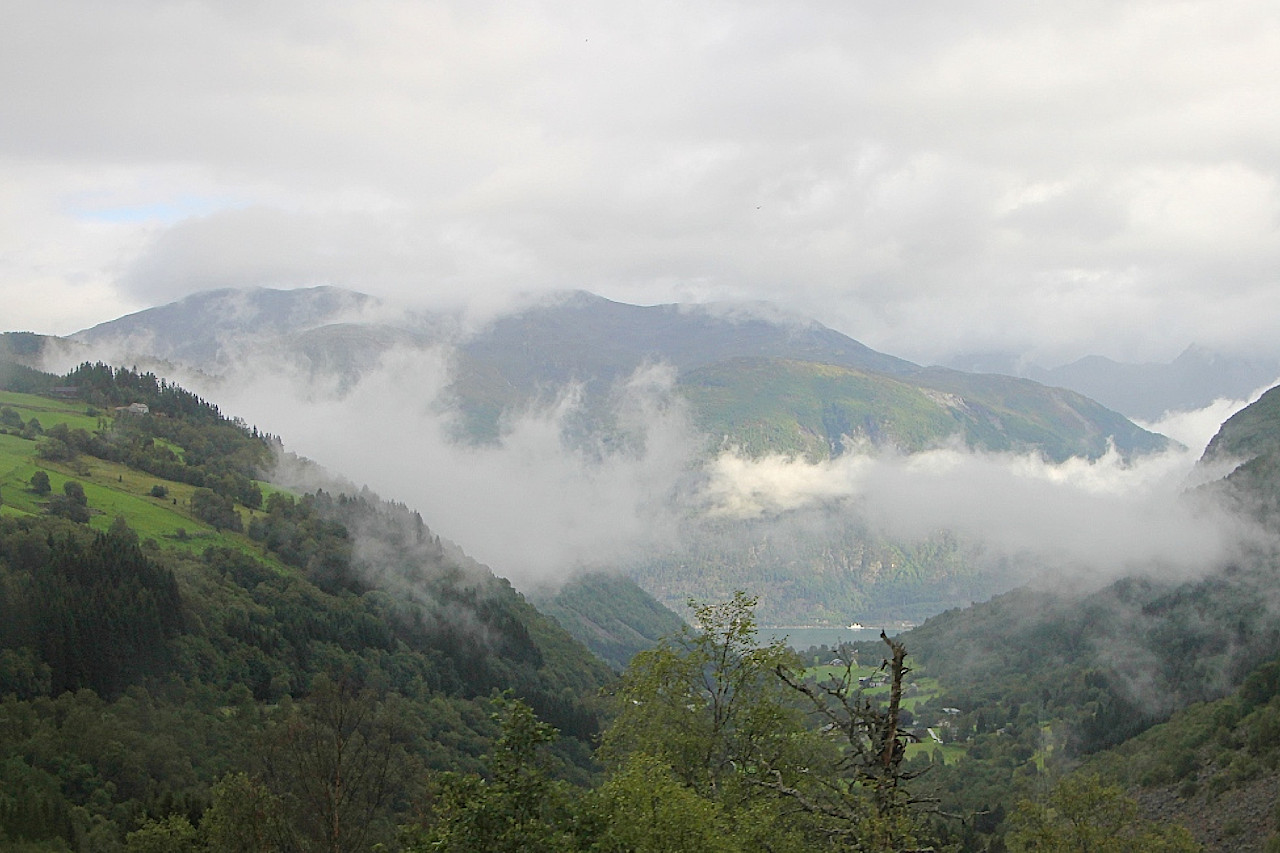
<point x="205" y="329"/>
<point x="758" y="378"/>
<point x="769" y="382"/>
<point x="582" y="336"/>
<point x="1147" y="391"/>
<point x="776" y="405"/>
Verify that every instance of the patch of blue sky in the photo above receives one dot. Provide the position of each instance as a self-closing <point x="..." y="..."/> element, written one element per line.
<point x="162" y="212"/>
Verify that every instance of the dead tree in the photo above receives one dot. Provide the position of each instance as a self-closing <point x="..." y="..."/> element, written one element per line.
<point x="861" y="799"/>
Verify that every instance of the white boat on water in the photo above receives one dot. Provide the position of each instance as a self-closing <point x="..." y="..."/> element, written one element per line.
<point x="856" y="626"/>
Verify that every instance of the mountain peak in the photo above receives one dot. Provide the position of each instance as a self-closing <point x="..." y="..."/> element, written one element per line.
<point x="202" y="328"/>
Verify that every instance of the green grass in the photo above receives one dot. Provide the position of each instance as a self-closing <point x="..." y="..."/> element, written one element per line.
<point x="917" y="689"/>
<point x="950" y="752"/>
<point x="50" y="412"/>
<point x="112" y="489"/>
<point x="17" y="457"/>
<point x="926" y="688"/>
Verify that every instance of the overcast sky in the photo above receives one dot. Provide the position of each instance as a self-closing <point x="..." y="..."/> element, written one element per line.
<point x="1054" y="179"/>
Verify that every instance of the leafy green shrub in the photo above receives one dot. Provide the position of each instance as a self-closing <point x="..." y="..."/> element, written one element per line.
<point x="218" y="510"/>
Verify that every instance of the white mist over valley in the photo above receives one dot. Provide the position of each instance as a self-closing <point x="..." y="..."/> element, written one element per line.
<point x="548" y="498"/>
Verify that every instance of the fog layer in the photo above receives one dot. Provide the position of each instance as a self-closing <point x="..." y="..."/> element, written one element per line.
<point x="544" y="502"/>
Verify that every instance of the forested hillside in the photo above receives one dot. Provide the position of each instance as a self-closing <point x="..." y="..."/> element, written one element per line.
<point x="1159" y="691"/>
<point x="164" y="628"/>
<point x="195" y="658"/>
<point x="609" y="614"/>
<point x="803" y="578"/>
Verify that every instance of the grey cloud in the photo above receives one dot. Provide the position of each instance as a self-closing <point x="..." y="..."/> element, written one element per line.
<point x="1051" y="180"/>
<point x="535" y="507"/>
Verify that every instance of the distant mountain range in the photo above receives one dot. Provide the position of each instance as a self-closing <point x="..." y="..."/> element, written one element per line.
<point x="758" y="379"/>
<point x="1148" y="391"/>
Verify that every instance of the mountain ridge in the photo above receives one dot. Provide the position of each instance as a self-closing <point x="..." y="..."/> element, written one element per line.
<point x="1147" y="391"/>
<point x="580" y="337"/>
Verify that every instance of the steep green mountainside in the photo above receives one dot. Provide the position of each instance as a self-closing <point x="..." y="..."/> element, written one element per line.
<point x="1250" y="441"/>
<point x="1213" y="767"/>
<point x="609" y="614"/>
<point x="767" y="406"/>
<point x="775" y="386"/>
<point x="782" y="406"/>
<point x="168" y="619"/>
<point x="1253" y="431"/>
<point x="1166" y="688"/>
<point x="1039" y="682"/>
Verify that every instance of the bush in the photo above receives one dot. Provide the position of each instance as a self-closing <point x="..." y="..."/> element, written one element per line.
<point x="68" y="508"/>
<point x="215" y="509"/>
<point x="75" y="492"/>
<point x="55" y="450"/>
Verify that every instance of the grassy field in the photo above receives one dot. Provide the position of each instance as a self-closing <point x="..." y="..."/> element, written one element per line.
<point x="112" y="489"/>
<point x="50" y="412"/>
<point x="950" y="753"/>
<point x="917" y="688"/>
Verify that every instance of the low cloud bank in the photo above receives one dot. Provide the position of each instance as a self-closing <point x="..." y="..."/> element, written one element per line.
<point x="536" y="506"/>
<point x="544" y="502"/>
<point x="1092" y="519"/>
<point x="1197" y="428"/>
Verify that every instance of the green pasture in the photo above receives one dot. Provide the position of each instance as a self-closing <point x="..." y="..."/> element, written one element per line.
<point x="17" y="457"/>
<point x="112" y="489"/>
<point x="916" y="689"/>
<point x="51" y="412"/>
<point x="949" y="753"/>
<point x="925" y="688"/>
